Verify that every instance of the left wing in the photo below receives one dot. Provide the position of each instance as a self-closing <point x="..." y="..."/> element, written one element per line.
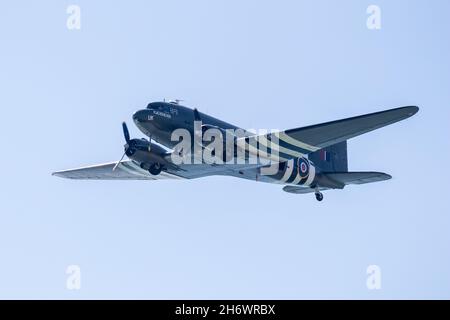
<point x="126" y="170"/>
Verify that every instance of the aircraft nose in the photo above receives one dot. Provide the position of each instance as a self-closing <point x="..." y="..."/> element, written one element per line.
<point x="141" y="116"/>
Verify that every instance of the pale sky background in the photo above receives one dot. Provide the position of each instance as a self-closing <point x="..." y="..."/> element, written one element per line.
<point x="256" y="64"/>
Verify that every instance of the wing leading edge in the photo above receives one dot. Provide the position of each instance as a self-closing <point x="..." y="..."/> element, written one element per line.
<point x="126" y="170"/>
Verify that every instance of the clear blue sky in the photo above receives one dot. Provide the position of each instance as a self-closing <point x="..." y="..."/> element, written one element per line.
<point x="257" y="64"/>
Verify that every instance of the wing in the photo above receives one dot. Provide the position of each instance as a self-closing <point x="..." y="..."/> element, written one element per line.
<point x="127" y="170"/>
<point x="301" y="141"/>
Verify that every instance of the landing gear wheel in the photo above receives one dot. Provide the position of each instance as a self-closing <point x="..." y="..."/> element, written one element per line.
<point x="155" y="169"/>
<point x="319" y="196"/>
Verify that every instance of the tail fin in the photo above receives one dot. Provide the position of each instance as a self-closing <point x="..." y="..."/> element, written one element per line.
<point x="332" y="158"/>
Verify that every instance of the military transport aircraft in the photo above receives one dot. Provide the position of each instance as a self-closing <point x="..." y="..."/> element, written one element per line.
<point x="304" y="160"/>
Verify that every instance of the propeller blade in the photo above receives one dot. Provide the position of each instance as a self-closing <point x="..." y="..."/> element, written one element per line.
<point x="117" y="164"/>
<point x="197" y="115"/>
<point x="126" y="133"/>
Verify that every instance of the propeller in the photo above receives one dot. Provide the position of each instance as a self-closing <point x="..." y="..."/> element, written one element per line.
<point x="126" y="134"/>
<point x="132" y="145"/>
<point x="117" y="164"/>
<point x="197" y="115"/>
<point x="198" y="133"/>
<point x="204" y="127"/>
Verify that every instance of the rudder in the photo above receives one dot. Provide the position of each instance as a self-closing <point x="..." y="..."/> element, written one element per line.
<point x="332" y="158"/>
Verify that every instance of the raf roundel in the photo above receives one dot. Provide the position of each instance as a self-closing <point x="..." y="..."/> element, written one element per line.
<point x="303" y="167"/>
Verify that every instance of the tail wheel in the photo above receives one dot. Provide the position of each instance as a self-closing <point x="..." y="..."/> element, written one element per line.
<point x="319" y="196"/>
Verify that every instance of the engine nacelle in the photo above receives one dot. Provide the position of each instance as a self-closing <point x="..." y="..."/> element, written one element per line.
<point x="147" y="153"/>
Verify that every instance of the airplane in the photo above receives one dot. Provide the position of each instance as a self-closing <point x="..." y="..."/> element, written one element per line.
<point x="304" y="160"/>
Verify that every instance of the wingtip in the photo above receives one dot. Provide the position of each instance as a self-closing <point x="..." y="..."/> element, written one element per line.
<point x="384" y="176"/>
<point x="58" y="174"/>
<point x="412" y="110"/>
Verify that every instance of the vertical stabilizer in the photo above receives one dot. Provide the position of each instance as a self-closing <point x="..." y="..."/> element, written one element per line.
<point x="332" y="158"/>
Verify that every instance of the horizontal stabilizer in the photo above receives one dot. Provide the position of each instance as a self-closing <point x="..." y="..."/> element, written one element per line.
<point x="301" y="190"/>
<point x="357" y="177"/>
<point x="338" y="180"/>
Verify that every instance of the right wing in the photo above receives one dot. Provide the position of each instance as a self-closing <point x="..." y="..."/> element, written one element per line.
<point x="126" y="170"/>
<point x="298" y="142"/>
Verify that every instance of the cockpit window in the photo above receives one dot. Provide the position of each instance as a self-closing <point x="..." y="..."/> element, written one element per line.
<point x="156" y="106"/>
